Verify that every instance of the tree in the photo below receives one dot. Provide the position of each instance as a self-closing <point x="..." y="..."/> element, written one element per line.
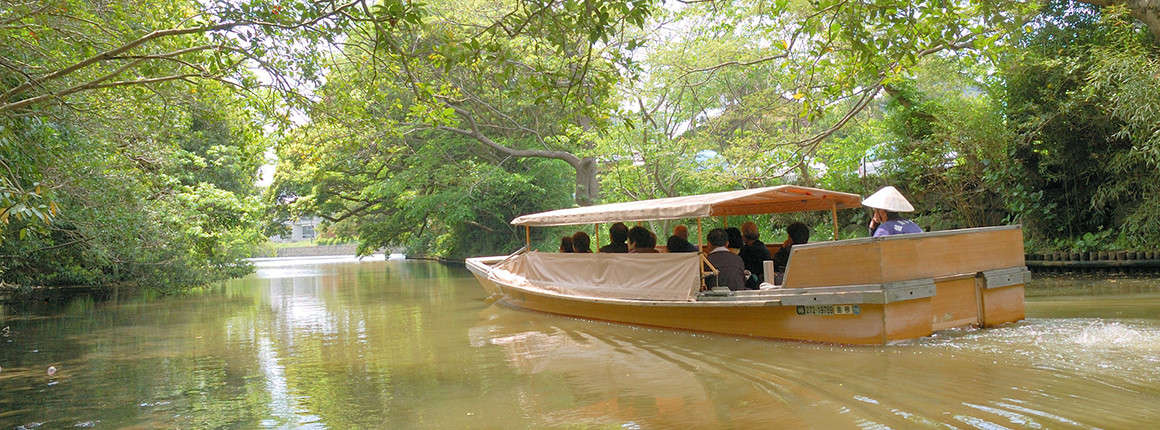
<point x="128" y="155"/>
<point x="540" y="74"/>
<point x="761" y="88"/>
<point x="125" y="215"/>
<point x="437" y="109"/>
<point x="1082" y="96"/>
<point x="61" y="58"/>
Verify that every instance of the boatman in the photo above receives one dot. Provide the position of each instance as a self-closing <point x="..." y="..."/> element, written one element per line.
<point x="887" y="203"/>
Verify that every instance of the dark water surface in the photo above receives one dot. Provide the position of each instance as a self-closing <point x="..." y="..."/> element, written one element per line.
<point x="398" y="344"/>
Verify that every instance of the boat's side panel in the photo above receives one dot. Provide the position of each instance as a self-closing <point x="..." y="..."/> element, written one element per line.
<point x="777" y="322"/>
<point x="956" y="304"/>
<point x="930" y="256"/>
<point x="907" y="319"/>
<point x="1002" y="305"/>
<point x="836" y="263"/>
<point x="904" y="257"/>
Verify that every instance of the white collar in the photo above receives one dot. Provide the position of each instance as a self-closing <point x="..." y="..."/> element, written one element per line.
<point x="719" y="249"/>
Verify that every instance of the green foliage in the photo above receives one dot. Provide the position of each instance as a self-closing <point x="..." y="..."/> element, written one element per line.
<point x="949" y="138"/>
<point x="1125" y="76"/>
<point x="23" y="198"/>
<point x="135" y="215"/>
<point x="438" y="197"/>
<point x="1098" y="241"/>
<point x="1082" y="96"/>
<point x="128" y="153"/>
<point x="764" y="85"/>
<point x="442" y="122"/>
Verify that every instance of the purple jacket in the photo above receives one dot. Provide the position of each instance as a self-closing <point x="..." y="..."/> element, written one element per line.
<point x="897" y="226"/>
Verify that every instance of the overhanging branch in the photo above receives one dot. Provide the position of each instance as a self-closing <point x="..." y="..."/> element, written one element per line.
<point x="474" y="133"/>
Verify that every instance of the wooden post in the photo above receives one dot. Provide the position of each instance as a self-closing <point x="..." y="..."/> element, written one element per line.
<point x="597" y="228"/>
<point x="528" y="236"/>
<point x="834" y="214"/>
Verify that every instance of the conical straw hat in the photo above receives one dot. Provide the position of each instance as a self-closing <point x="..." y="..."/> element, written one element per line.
<point x="888" y="199"/>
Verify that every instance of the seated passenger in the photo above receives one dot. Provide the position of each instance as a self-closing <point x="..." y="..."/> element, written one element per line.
<point x="581" y="243"/>
<point x="754" y="254"/>
<point x="566" y="244"/>
<point x="677" y="244"/>
<point x="730" y="268"/>
<point x="887" y="203"/>
<point x="679" y="241"/>
<point x="640" y="240"/>
<point x="618" y="234"/>
<point x="798" y="234"/>
<point x="735" y="240"/>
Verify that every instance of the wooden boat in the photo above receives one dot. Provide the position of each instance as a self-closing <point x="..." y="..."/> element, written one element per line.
<point x="866" y="291"/>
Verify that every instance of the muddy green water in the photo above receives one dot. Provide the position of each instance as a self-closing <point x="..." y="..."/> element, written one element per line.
<point x="337" y="344"/>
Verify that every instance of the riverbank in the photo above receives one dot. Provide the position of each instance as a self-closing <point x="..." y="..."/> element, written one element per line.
<point x="1127" y="262"/>
<point x="11" y="293"/>
<point x="304" y="249"/>
<point x="459" y="262"/>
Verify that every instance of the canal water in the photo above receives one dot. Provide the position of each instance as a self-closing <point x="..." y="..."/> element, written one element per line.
<point x="395" y="344"/>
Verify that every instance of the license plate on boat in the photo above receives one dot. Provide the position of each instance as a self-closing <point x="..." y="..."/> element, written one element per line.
<point x="829" y="310"/>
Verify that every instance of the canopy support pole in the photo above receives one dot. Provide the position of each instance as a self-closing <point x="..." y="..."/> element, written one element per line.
<point x="834" y="214"/>
<point x="528" y="235"/>
<point x="596" y="227"/>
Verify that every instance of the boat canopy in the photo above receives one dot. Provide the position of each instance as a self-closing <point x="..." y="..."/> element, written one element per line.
<point x="779" y="199"/>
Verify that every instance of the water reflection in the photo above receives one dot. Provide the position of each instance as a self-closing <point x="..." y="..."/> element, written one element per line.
<point x="597" y="377"/>
<point x="404" y="344"/>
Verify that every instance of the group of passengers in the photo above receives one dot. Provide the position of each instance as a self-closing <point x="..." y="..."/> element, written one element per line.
<point x="739" y="254"/>
<point x="578" y="243"/>
<point x="624" y="240"/>
<point x="745" y="269"/>
<point x="741" y="265"/>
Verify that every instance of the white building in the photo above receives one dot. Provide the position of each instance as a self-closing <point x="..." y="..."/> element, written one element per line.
<point x="300" y="230"/>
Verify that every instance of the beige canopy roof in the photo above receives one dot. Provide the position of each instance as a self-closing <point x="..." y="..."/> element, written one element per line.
<point x="784" y="198"/>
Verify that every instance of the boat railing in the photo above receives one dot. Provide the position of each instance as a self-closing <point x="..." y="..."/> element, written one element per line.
<point x="514" y="254"/>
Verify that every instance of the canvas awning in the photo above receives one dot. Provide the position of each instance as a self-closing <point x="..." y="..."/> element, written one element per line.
<point x="784" y="198"/>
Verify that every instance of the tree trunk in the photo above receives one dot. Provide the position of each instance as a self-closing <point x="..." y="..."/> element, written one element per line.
<point x="1147" y="11"/>
<point x="587" y="183"/>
